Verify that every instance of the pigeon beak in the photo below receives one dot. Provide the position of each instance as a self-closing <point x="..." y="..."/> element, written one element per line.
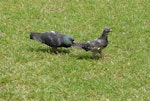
<point x="110" y="30"/>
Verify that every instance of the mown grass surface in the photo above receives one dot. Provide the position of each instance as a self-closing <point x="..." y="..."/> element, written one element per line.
<point x="29" y="71"/>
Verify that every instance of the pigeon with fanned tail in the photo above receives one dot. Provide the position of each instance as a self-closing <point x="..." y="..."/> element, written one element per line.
<point x="53" y="39"/>
<point x="97" y="45"/>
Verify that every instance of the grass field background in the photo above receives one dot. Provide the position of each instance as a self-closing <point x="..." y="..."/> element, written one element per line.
<point x="30" y="72"/>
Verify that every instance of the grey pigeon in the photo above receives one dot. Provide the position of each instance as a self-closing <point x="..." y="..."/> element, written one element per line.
<point x="97" y="45"/>
<point x="53" y="39"/>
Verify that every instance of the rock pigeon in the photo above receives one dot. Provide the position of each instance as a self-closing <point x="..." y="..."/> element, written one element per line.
<point x="97" y="45"/>
<point x="53" y="39"/>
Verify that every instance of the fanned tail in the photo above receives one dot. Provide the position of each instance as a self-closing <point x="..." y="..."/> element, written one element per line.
<point x="35" y="36"/>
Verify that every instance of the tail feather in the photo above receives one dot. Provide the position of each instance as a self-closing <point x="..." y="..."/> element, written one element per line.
<point x="83" y="45"/>
<point x="36" y="36"/>
<point x="77" y="45"/>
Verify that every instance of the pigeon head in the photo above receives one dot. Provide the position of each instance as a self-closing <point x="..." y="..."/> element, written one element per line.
<point x="105" y="33"/>
<point x="107" y="29"/>
<point x="35" y="36"/>
<point x="71" y="39"/>
<point x="31" y="36"/>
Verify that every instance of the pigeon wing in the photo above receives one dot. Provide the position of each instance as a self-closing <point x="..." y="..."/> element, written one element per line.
<point x="95" y="44"/>
<point x="52" y="39"/>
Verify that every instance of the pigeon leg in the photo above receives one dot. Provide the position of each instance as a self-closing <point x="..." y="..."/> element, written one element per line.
<point x="54" y="49"/>
<point x="93" y="53"/>
<point x="100" y="52"/>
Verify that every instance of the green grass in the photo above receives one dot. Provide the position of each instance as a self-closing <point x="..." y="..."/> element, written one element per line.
<point x="30" y="72"/>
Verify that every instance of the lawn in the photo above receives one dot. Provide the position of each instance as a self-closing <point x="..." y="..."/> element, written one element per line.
<point x="29" y="71"/>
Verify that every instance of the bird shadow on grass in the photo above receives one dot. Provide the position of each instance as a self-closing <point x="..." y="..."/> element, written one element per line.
<point x="49" y="50"/>
<point x="87" y="57"/>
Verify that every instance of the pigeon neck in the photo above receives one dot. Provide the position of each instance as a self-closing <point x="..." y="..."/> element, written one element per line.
<point x="66" y="40"/>
<point x="104" y="35"/>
